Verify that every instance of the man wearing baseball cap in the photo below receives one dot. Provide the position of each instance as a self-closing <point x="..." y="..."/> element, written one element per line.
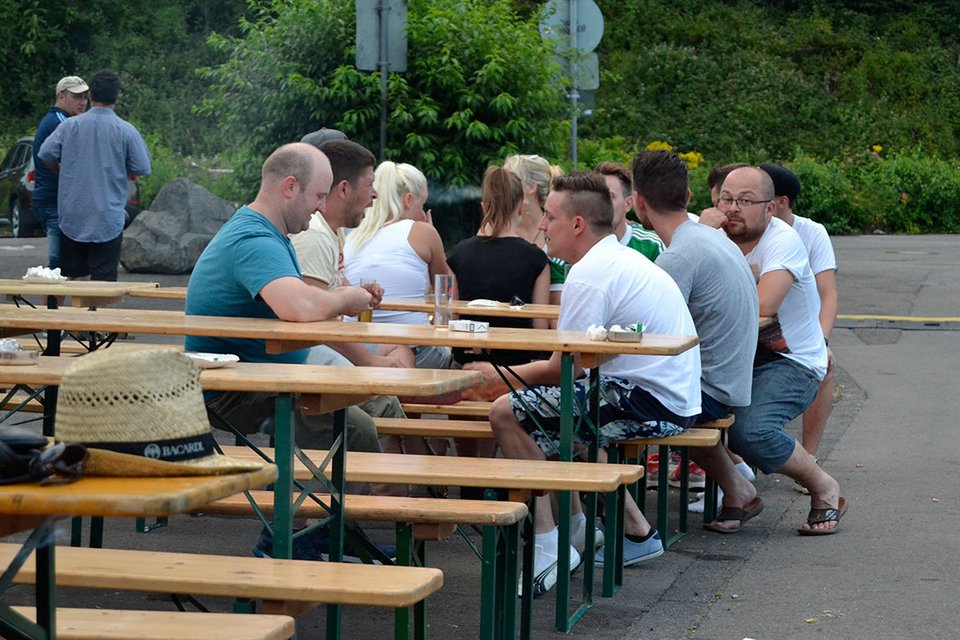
<point x="71" y="100"/>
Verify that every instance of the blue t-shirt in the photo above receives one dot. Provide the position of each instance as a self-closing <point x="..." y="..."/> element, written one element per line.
<point x="247" y="253"/>
<point x="45" y="181"/>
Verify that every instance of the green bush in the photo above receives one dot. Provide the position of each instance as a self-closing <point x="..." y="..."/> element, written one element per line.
<point x="900" y="192"/>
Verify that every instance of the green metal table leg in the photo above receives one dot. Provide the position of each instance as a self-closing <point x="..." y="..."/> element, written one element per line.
<point x="508" y="579"/>
<point x="54" y="337"/>
<point x="76" y="531"/>
<point x="526" y="600"/>
<point x="338" y="479"/>
<point x="283" y="488"/>
<point x="564" y="621"/>
<point x="401" y="616"/>
<point x="46" y="588"/>
<point x="420" y="608"/>
<point x="663" y="494"/>
<point x="490" y="595"/>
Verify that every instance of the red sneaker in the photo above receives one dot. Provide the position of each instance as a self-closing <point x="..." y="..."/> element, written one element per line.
<point x="696" y="476"/>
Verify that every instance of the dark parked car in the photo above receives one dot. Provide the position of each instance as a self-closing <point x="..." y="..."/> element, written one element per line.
<point x="16" y="191"/>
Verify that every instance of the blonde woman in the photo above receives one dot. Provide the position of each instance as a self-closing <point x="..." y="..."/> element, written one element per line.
<point x="397" y="246"/>
<point x="537" y="176"/>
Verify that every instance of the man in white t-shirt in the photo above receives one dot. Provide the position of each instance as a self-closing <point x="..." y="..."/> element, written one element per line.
<point x="791" y="355"/>
<point x="823" y="262"/>
<point x="640" y="396"/>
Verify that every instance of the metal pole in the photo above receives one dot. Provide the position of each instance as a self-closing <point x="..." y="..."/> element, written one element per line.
<point x="574" y="76"/>
<point x="382" y="10"/>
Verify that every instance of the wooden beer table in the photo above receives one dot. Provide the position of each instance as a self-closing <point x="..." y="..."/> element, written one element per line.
<point x="32" y="506"/>
<point x="286" y="336"/>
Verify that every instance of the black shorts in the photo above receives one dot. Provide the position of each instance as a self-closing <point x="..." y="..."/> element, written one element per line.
<point x="99" y="260"/>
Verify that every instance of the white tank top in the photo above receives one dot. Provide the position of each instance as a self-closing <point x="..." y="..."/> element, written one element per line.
<point x="389" y="259"/>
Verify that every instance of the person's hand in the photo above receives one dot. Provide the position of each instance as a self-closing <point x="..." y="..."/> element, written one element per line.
<point x="390" y="361"/>
<point x="428" y="216"/>
<point x="713" y="217"/>
<point x="375" y="289"/>
<point x="490" y="388"/>
<point x="352" y="300"/>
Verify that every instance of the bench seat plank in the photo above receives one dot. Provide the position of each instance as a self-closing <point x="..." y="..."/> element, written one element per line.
<point x="426" y="428"/>
<point x="387" y="509"/>
<point x="107" y="624"/>
<point x="236" y="577"/>
<point x="500" y="473"/>
<point x="464" y="408"/>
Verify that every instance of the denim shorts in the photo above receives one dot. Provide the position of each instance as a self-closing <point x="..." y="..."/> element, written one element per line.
<point x="626" y="411"/>
<point x="782" y="390"/>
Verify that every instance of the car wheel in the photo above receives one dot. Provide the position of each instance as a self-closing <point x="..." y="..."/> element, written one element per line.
<point x="22" y="223"/>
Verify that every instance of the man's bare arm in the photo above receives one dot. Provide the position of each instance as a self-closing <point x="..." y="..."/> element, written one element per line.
<point x="295" y="301"/>
<point x="772" y="289"/>
<point x="829" y="300"/>
<point x="540" y="372"/>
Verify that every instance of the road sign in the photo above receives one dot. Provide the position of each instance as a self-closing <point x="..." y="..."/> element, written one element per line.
<point x="387" y="31"/>
<point x="556" y="24"/>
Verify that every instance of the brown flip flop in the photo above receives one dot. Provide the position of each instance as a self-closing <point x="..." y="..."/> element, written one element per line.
<point x="749" y="510"/>
<point x="817" y="516"/>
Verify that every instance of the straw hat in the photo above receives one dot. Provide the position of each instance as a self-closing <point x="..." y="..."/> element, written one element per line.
<point x="140" y="413"/>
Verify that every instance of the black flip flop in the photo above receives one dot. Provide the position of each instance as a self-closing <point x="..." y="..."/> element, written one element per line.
<point x="817" y="516"/>
<point x="749" y="510"/>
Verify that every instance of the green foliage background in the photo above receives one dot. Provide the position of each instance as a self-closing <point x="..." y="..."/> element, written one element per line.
<point x="814" y="84"/>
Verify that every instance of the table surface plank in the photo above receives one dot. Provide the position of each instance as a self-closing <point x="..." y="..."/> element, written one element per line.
<point x="281" y="378"/>
<point x="285" y="335"/>
<point x="130" y="497"/>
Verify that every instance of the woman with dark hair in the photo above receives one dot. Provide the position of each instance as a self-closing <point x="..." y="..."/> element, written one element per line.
<point x="498" y="264"/>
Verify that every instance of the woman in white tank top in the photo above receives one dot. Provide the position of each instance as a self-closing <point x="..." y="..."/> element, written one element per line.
<point x="397" y="245"/>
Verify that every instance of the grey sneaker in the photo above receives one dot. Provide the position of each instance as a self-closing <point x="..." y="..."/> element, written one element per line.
<point x="634" y="552"/>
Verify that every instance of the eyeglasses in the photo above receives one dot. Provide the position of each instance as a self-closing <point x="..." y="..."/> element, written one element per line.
<point x="740" y="202"/>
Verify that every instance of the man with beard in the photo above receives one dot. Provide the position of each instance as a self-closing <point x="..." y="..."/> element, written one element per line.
<point x="791" y="355"/>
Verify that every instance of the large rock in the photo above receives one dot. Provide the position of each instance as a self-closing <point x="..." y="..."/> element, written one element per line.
<point x="170" y="236"/>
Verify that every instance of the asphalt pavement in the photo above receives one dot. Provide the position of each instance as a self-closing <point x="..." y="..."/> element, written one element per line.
<point x="892" y="571"/>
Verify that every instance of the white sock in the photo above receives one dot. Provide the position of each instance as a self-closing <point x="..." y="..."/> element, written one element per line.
<point x="746" y="471"/>
<point x="549" y="541"/>
<point x="578" y="521"/>
<point x="697" y="507"/>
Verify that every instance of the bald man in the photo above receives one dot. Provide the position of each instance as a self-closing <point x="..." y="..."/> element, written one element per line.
<point x="791" y="355"/>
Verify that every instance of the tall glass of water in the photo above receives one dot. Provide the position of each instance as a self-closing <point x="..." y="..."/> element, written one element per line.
<point x="442" y="300"/>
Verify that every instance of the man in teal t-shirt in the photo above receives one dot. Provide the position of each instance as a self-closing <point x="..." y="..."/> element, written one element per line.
<point x="250" y="270"/>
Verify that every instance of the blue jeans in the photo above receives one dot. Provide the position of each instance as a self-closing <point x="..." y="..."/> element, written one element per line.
<point x="47" y="218"/>
<point x="782" y="390"/>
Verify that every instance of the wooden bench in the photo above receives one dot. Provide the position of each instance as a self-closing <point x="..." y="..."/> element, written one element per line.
<point x="287" y="587"/>
<point x="426" y="428"/>
<point x="636" y="449"/>
<point x="419" y="520"/>
<point x="464" y="408"/>
<point x="107" y="624"/>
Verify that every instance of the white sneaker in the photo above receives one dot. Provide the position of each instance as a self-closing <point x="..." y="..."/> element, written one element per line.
<point x="578" y="538"/>
<point x="545" y="570"/>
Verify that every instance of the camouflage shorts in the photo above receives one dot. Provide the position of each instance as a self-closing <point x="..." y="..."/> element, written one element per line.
<point x="626" y="411"/>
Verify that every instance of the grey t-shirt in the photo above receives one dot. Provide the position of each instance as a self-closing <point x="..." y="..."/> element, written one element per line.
<point x="721" y="293"/>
